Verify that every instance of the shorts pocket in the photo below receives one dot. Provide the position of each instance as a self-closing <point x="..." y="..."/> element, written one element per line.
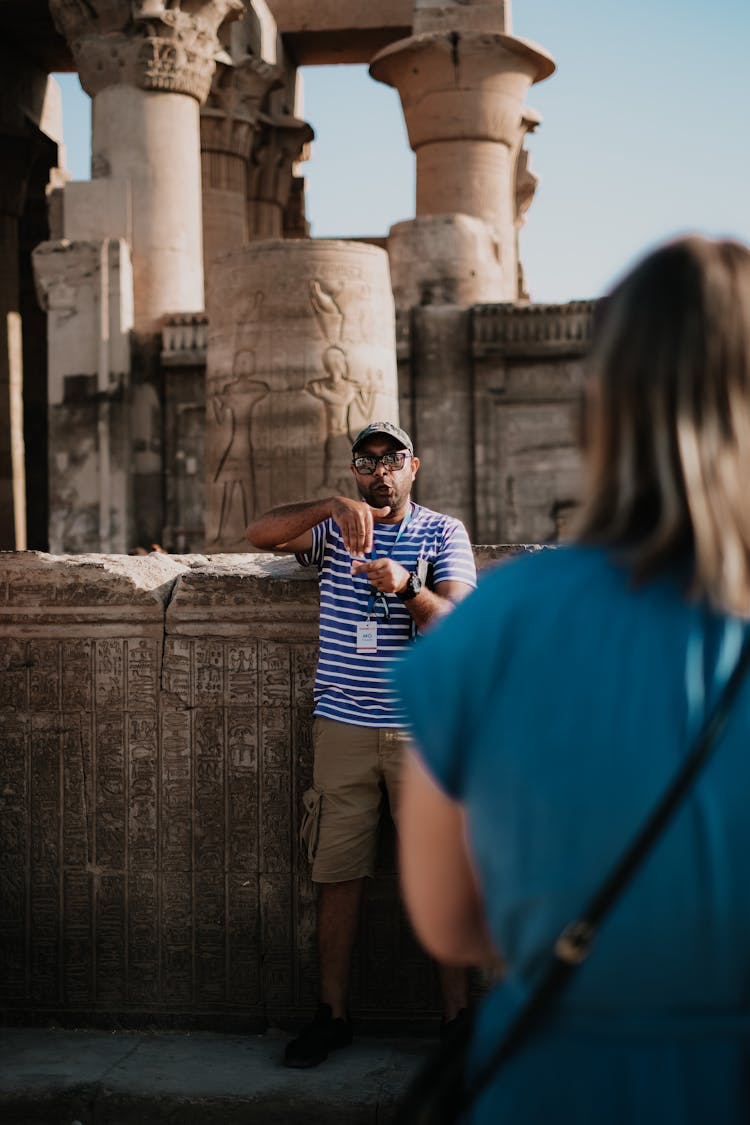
<point x="309" y="829"/>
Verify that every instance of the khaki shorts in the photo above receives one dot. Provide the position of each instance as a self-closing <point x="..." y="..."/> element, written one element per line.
<point x="342" y="810"/>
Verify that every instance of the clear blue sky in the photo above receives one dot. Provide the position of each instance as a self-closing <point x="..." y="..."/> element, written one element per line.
<point x="645" y="134"/>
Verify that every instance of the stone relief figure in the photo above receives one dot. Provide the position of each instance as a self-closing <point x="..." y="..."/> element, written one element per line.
<point x="348" y="402"/>
<point x="327" y="312"/>
<point x="231" y="409"/>
<point x="339" y="393"/>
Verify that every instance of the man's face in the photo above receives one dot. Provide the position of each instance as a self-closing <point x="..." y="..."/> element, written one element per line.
<point x="384" y="487"/>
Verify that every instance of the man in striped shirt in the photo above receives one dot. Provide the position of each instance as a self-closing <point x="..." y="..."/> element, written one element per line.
<point x="388" y="568"/>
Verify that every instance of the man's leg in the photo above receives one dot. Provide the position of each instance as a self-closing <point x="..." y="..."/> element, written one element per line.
<point x="346" y="775"/>
<point x="341" y="834"/>
<point x="338" y="917"/>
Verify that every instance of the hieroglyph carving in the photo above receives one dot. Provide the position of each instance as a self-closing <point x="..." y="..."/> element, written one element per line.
<point x="348" y="402"/>
<point x="232" y="404"/>
<point x="153" y="44"/>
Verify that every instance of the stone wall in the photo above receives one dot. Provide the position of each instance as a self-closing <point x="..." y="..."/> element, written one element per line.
<point x="155" y="739"/>
<point x="492" y="397"/>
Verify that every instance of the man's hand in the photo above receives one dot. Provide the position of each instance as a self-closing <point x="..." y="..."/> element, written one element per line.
<point x="355" y="520"/>
<point x="385" y="575"/>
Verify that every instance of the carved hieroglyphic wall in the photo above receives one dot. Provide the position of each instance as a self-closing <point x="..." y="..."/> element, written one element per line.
<point x="155" y="719"/>
<point x="80" y="650"/>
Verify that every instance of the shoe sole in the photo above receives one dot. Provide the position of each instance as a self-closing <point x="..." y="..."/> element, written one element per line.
<point x="306" y="1064"/>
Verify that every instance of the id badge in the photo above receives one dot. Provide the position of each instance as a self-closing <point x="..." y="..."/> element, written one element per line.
<point x="367" y="636"/>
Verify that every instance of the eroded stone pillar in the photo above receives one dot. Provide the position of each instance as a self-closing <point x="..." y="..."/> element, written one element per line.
<point x="16" y="156"/>
<point x="445" y="260"/>
<point x="301" y="356"/>
<point x="147" y="66"/>
<point x="229" y="121"/>
<point x="30" y="149"/>
<point x="462" y="78"/>
<point x="86" y="289"/>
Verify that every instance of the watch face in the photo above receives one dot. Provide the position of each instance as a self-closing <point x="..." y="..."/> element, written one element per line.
<point x="412" y="587"/>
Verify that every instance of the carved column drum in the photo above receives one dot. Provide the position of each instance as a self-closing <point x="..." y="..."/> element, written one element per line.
<point x="301" y="356"/>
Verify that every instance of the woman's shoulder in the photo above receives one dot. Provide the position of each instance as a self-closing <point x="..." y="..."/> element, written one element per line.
<point x="514" y="593"/>
<point x="542" y="571"/>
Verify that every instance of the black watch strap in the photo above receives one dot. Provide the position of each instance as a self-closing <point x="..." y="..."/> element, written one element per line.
<point x="411" y="589"/>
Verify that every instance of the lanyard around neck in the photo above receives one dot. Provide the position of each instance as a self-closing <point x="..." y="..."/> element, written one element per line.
<point x="375" y="594"/>
<point x="402" y="528"/>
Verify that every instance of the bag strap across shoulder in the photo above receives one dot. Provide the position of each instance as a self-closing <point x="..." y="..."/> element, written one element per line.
<point x="574" y="942"/>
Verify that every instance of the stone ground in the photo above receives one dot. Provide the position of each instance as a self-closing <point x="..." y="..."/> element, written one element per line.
<point x="60" y="1077"/>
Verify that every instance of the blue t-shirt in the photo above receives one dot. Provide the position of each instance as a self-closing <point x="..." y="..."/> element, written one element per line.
<point x="554" y="704"/>
<point x="352" y="686"/>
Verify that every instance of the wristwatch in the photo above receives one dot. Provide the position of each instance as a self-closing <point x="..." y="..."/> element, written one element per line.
<point x="411" y="589"/>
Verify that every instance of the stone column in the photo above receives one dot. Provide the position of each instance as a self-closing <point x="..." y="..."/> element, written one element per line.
<point x="16" y="157"/>
<point x="147" y="65"/>
<point x="462" y="79"/>
<point x="278" y="145"/>
<point x="301" y="356"/>
<point x="229" y="121"/>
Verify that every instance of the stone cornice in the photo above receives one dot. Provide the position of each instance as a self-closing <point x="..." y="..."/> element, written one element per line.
<point x="144" y="43"/>
<point x="457" y="15"/>
<point x="532" y="330"/>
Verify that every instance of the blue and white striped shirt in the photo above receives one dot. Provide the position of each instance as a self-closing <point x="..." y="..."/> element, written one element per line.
<point x="352" y="686"/>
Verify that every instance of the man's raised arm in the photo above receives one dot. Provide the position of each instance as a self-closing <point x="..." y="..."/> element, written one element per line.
<point x="289" y="527"/>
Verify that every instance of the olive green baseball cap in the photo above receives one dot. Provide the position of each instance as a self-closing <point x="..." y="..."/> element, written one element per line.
<point x="389" y="429"/>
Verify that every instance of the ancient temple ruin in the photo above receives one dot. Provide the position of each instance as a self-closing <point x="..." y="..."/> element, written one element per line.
<point x="176" y="355"/>
<point x="173" y="339"/>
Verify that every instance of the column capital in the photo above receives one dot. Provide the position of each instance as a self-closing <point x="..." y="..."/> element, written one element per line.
<point x="230" y="115"/>
<point x="279" y="144"/>
<point x="462" y="86"/>
<point x="168" y="45"/>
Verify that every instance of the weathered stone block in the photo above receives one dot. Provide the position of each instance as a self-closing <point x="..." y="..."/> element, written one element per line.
<point x="155" y="740"/>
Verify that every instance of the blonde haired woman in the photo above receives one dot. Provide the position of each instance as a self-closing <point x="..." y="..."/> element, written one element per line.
<point x="552" y="709"/>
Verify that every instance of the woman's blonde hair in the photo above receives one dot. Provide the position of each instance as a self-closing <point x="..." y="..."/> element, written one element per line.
<point x="667" y="419"/>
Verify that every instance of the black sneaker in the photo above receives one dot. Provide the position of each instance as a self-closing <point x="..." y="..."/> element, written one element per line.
<point x="324" y="1034"/>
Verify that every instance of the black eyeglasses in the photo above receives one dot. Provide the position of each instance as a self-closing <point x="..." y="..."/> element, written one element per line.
<point x="379" y="602"/>
<point x="368" y="463"/>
